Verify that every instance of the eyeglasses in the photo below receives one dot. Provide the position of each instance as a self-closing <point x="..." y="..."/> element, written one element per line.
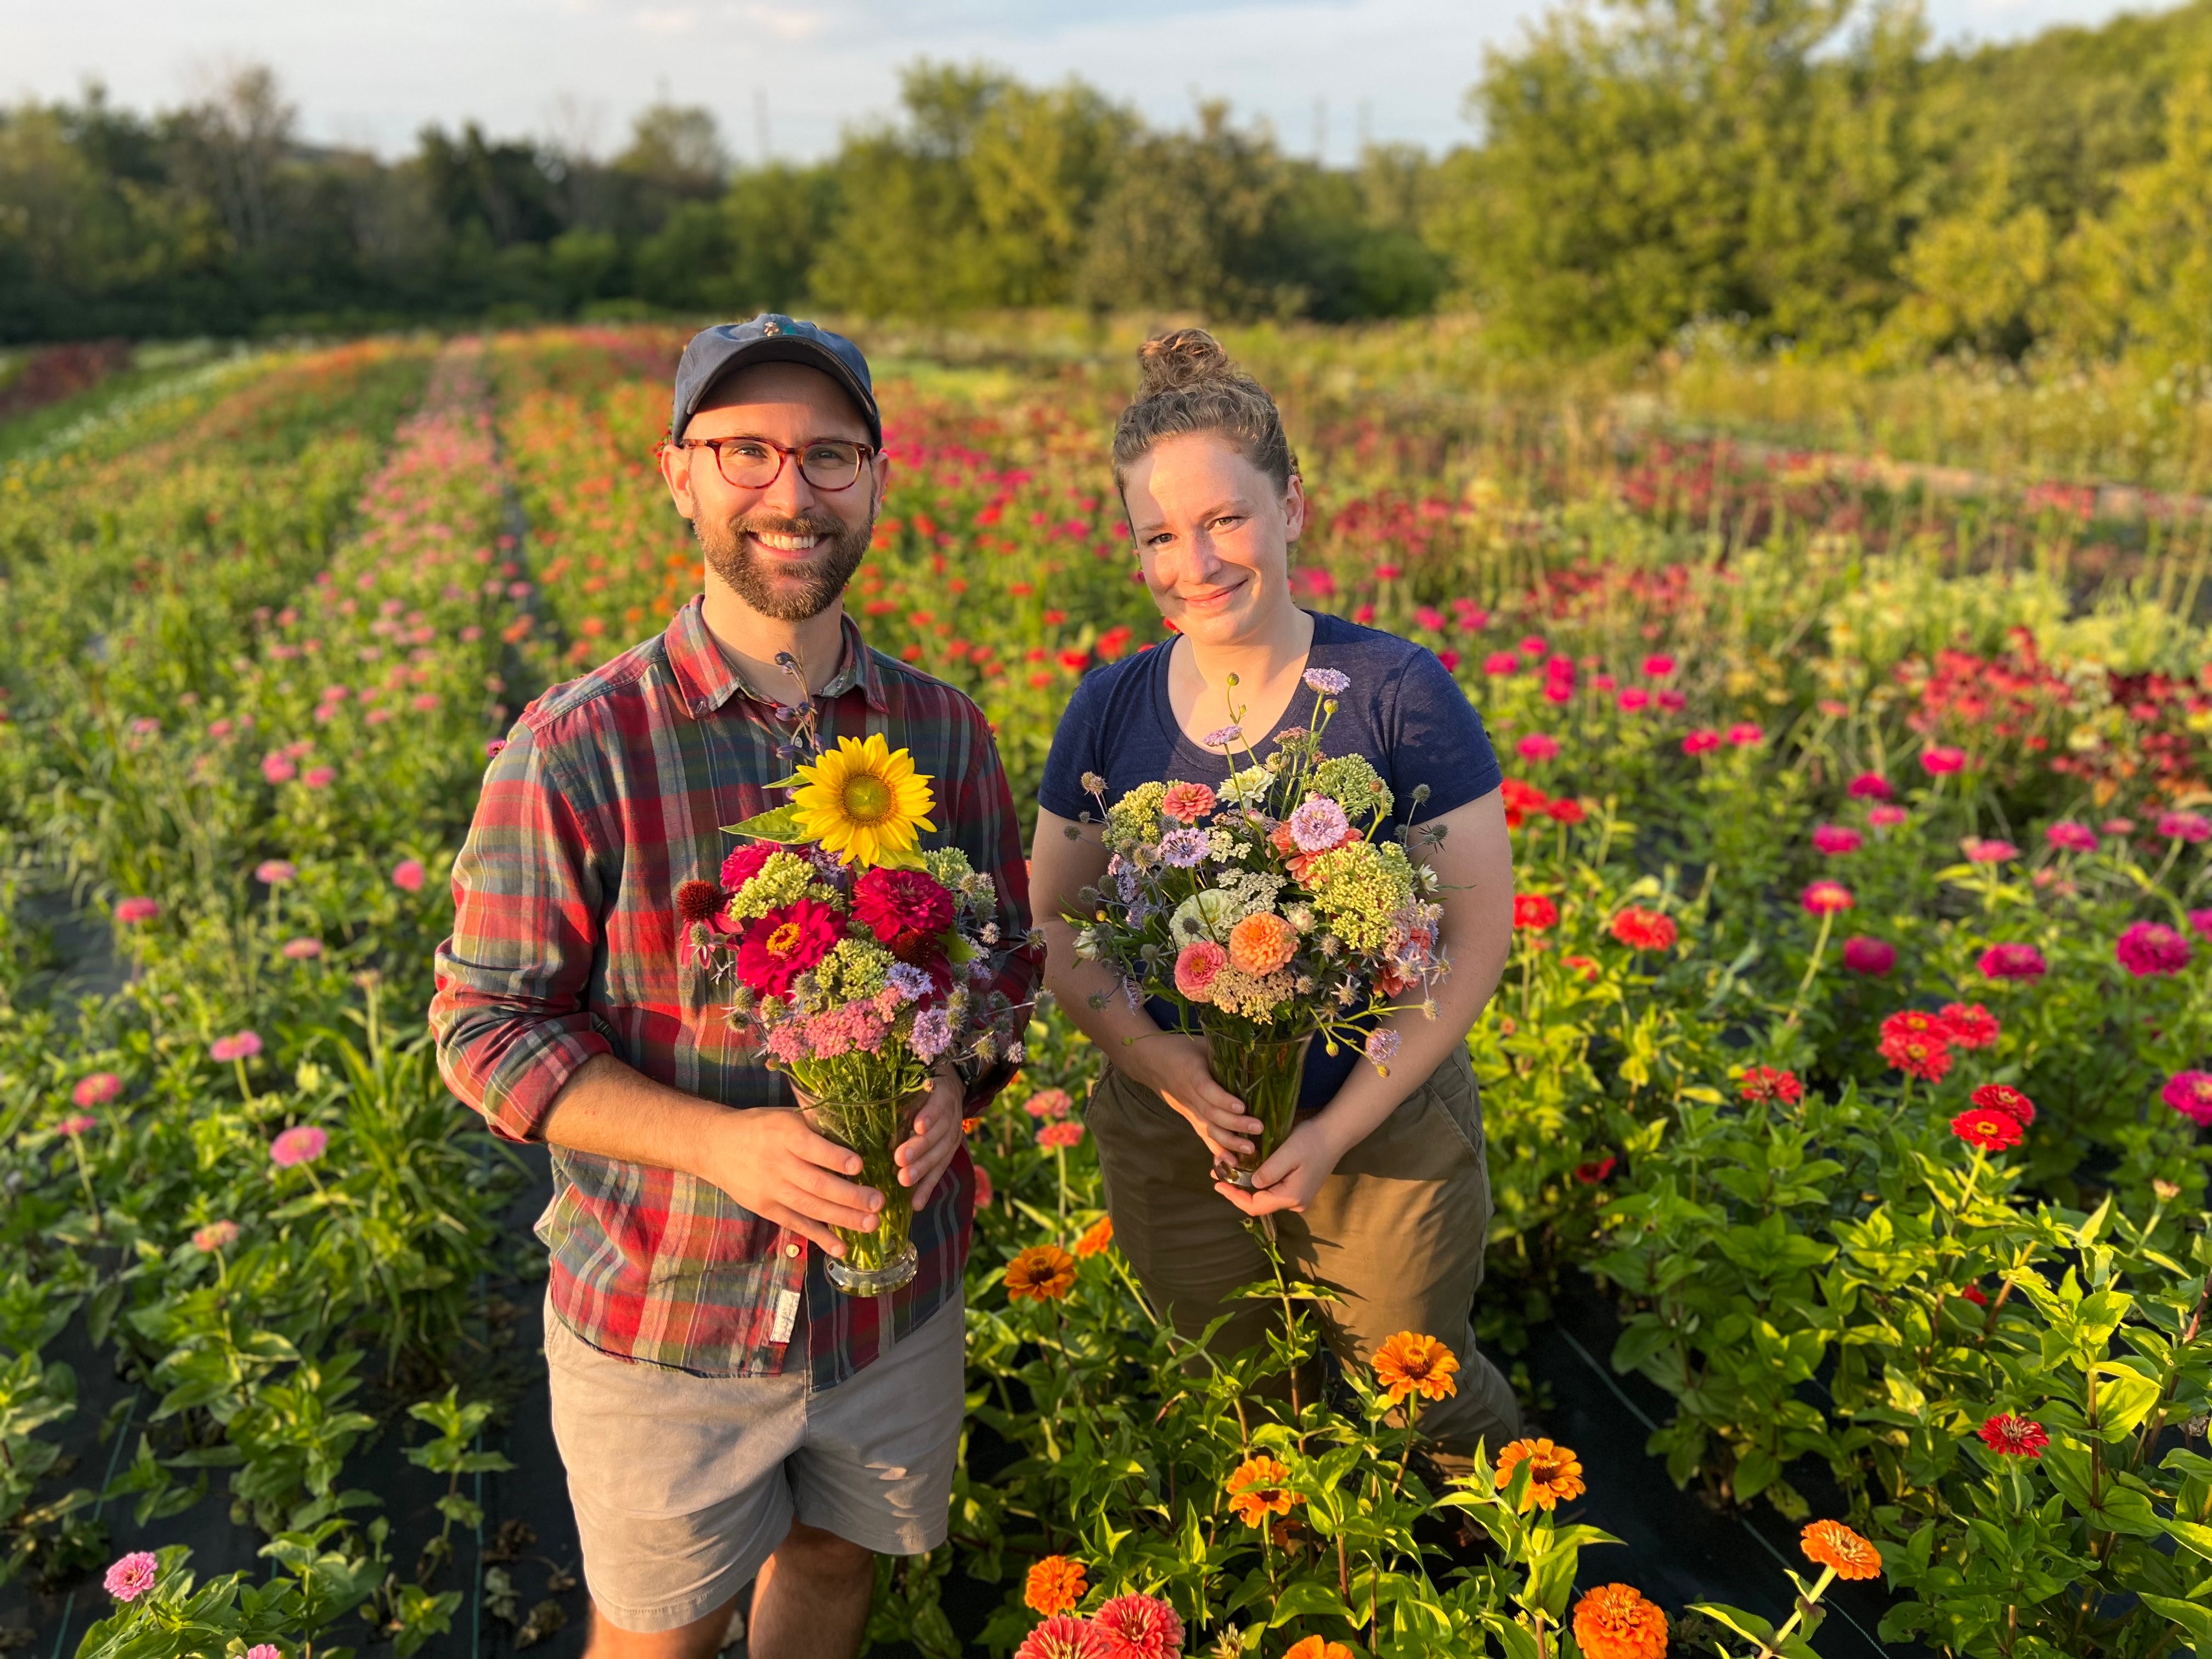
<point x="828" y="464"/>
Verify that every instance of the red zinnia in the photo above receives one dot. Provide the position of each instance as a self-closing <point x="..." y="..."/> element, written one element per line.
<point x="2004" y="1098"/>
<point x="784" y="944"/>
<point x="1768" y="1083"/>
<point x="2013" y="1437"/>
<point x="1825" y="898"/>
<point x="1971" y="1025"/>
<point x="1592" y="1173"/>
<point x="1990" y="1131"/>
<point x="1927" y="1057"/>
<point x="1643" y="930"/>
<point x="1140" y="1627"/>
<point x="743" y="864"/>
<point x="1535" y="912"/>
<point x="889" y="902"/>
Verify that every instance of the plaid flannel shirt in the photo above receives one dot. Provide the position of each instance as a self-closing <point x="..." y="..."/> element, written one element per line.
<point x="609" y="794"/>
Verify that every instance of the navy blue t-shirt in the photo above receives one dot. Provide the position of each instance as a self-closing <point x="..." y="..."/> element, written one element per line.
<point x="1402" y="711"/>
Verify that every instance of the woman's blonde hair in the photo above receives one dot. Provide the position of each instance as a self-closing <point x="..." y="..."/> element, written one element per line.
<point x="1187" y="384"/>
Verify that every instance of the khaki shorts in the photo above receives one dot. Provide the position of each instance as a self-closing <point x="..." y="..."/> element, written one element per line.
<point x="1398" y="1231"/>
<point x="683" y="1486"/>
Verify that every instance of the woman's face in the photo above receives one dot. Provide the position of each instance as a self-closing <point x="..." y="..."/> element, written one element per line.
<point x="1214" y="536"/>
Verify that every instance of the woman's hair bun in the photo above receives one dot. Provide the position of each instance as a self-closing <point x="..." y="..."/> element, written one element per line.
<point x="1183" y="357"/>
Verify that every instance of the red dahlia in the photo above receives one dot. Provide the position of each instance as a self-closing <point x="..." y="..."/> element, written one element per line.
<point x="889" y="902"/>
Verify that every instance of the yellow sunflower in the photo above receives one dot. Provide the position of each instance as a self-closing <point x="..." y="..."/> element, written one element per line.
<point x="865" y="802"/>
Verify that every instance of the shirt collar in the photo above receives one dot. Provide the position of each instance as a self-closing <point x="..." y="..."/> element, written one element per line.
<point x="709" y="680"/>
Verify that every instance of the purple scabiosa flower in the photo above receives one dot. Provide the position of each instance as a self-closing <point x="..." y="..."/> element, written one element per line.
<point x="1318" y="824"/>
<point x="933" y="1033"/>
<point x="1328" y="681"/>
<point x="1183" y="848"/>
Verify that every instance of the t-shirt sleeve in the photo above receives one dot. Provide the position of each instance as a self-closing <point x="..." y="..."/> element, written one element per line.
<point x="1078" y="747"/>
<point x="1437" y="738"/>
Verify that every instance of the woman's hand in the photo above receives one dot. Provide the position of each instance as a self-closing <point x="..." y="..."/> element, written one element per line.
<point x="1289" y="1180"/>
<point x="923" y="1157"/>
<point x="1177" y="1067"/>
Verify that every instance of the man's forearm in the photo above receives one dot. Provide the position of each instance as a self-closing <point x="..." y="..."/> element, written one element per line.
<point x="610" y="1110"/>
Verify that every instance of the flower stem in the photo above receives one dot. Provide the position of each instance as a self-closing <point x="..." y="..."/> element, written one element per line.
<point x="84" y="1175"/>
<point x="1812" y="968"/>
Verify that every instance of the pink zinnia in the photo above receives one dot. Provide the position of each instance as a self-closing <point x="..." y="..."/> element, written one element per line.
<point x="1196" y="966"/>
<point x="408" y="875"/>
<point x="2013" y="961"/>
<point x="75" y="1124"/>
<point x="1702" y="741"/>
<point x="2200" y="923"/>
<point x="303" y="950"/>
<point x="216" y="1235"/>
<point x="319" y="777"/>
<point x="1939" y="761"/>
<point x="274" y="872"/>
<point x="1501" y="662"/>
<point x="133" y="1575"/>
<point x="1869" y="786"/>
<point x="1835" y="840"/>
<point x="278" y="769"/>
<point x="1059" y="1136"/>
<point x="2190" y="1093"/>
<point x="1054" y="1104"/>
<point x="1826" y="898"/>
<point x="1633" y="701"/>
<point x="2069" y="836"/>
<point x="1672" y="700"/>
<point x="983" y="1190"/>
<point x="132" y="911"/>
<point x="1186" y="803"/>
<point x="244" y="1046"/>
<point x="1658" y="667"/>
<point x="1538" y="746"/>
<point x="1871" y="957"/>
<point x="2151" y="947"/>
<point x="1064" y="1635"/>
<point x="2192" y="827"/>
<point x="1745" y="734"/>
<point x="1988" y="851"/>
<point x="1140" y="1627"/>
<point x="96" y="1089"/>
<point x="302" y="1144"/>
<point x="264" y="1651"/>
<point x="1887" y="817"/>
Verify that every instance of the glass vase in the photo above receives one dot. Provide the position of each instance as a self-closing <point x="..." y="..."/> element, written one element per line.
<point x="1264" y="1072"/>
<point x="877" y="1262"/>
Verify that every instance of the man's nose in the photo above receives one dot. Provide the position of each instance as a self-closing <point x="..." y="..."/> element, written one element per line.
<point x="790" y="495"/>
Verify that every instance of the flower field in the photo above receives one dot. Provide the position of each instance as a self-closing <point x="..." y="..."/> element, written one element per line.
<point x="1854" y="1060"/>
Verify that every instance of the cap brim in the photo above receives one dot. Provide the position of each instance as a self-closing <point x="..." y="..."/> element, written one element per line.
<point x="793" y="349"/>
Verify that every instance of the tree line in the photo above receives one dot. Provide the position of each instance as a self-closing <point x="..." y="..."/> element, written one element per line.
<point x="1809" y="171"/>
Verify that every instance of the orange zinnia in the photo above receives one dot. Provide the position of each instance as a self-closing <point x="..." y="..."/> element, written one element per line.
<point x="1256" y="1490"/>
<point x="1409" y="1363"/>
<point x="1553" y="1473"/>
<point x="1043" y="1273"/>
<point x="1315" y="1647"/>
<point x="1094" y="1242"/>
<point x="1055" y="1585"/>
<point x="1832" y="1545"/>
<point x="1261" y="944"/>
<point x="1614" y="1621"/>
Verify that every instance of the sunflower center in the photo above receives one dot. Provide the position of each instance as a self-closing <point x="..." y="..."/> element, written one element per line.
<point x="784" y="940"/>
<point x="867" y="798"/>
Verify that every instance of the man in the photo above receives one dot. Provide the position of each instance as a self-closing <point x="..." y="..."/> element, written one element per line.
<point x="725" y="1415"/>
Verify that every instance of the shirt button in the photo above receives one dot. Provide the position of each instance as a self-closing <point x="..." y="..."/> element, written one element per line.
<point x="791" y="1249"/>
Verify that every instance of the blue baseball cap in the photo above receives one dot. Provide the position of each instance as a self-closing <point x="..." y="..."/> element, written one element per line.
<point x="771" y="337"/>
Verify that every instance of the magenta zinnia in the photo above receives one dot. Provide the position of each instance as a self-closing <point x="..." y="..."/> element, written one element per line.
<point x="2147" y="948"/>
<point x="784" y="944"/>
<point x="2190" y="1093"/>
<point x="1826" y="898"/>
<point x="2013" y="1437"/>
<point x="892" y="903"/>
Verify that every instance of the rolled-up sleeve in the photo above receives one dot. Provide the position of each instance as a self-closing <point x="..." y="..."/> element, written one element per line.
<point x="510" y="1016"/>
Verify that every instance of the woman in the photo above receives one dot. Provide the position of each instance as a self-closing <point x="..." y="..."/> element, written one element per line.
<point x="1381" y="1189"/>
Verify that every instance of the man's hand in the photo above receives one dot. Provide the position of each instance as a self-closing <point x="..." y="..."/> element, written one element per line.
<point x="770" y="1162"/>
<point x="1289" y="1180"/>
<point x="923" y="1158"/>
<point x="1176" y="1067"/>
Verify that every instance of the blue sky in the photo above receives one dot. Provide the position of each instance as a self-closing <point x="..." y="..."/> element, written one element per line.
<point x="1326" y="71"/>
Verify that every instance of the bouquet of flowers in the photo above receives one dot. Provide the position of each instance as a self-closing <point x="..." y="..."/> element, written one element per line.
<point x="859" y="964"/>
<point x="1268" y="911"/>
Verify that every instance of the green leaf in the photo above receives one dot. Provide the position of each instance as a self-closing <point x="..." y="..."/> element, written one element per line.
<point x="1748" y="1625"/>
<point x="2196" y="1620"/>
<point x="780" y="824"/>
<point x="2196" y="1537"/>
<point x="1307" y="1598"/>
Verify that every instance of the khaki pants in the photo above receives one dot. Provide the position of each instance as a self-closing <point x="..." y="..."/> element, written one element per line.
<point x="1398" y="1231"/>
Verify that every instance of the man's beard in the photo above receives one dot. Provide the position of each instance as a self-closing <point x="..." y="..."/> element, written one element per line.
<point x="730" y="555"/>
